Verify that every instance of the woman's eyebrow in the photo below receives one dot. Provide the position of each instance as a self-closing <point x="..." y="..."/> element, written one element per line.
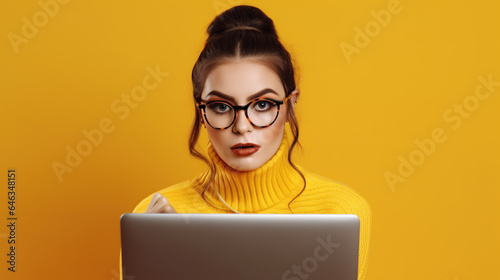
<point x="251" y="97"/>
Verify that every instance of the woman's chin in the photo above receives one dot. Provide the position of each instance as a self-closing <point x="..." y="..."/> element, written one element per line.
<point x="244" y="165"/>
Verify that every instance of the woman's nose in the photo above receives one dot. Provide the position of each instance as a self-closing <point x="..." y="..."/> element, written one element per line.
<point x="241" y="123"/>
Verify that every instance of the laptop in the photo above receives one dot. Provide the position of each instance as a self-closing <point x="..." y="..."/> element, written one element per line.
<point x="239" y="246"/>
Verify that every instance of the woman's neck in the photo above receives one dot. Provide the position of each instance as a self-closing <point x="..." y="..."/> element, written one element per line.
<point x="251" y="191"/>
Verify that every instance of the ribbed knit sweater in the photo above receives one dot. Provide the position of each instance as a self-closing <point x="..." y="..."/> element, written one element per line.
<point x="269" y="189"/>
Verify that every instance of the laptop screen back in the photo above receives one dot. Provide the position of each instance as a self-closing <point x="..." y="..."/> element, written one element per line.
<point x="240" y="246"/>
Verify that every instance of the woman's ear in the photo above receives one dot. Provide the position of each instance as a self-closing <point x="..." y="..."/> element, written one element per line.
<point x="295" y="97"/>
<point x="201" y="119"/>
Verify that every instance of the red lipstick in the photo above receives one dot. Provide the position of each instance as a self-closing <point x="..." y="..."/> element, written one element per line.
<point x="245" y="149"/>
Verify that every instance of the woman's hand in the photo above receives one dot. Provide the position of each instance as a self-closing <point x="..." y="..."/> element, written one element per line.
<point x="159" y="204"/>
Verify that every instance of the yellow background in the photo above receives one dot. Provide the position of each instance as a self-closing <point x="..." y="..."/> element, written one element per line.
<point x="357" y="120"/>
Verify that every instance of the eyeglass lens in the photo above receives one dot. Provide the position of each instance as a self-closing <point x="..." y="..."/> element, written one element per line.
<point x="260" y="112"/>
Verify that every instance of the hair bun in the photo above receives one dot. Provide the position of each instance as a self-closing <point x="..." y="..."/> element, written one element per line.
<point x="242" y="17"/>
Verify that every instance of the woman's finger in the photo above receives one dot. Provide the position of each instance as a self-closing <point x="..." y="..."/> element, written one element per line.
<point x="160" y="204"/>
<point x="163" y="206"/>
<point x="153" y="202"/>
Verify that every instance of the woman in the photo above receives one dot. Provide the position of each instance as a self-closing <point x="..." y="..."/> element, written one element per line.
<point x="245" y="95"/>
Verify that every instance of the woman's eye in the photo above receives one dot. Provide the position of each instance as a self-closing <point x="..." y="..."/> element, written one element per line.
<point x="262" y="105"/>
<point x="220" y="107"/>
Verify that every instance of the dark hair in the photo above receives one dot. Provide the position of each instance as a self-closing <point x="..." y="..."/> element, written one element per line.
<point x="255" y="37"/>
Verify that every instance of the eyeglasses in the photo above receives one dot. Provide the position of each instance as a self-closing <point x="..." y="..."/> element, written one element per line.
<point x="261" y="112"/>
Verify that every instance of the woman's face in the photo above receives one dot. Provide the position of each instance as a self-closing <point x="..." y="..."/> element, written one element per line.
<point x="239" y="83"/>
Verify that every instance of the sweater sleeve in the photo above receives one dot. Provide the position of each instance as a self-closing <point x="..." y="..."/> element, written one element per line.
<point x="143" y="205"/>
<point x="339" y="198"/>
<point x="365" y="217"/>
<point x="359" y="206"/>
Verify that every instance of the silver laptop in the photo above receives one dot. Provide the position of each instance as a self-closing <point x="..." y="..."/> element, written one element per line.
<point x="239" y="246"/>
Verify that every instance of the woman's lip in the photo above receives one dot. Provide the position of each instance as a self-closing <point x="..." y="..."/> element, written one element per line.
<point x="245" y="145"/>
<point x="245" y="151"/>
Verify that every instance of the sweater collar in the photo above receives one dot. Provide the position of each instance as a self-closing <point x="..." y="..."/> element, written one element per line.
<point x="251" y="191"/>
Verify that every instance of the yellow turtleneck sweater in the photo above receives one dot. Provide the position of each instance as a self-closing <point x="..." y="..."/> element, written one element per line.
<point x="269" y="189"/>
